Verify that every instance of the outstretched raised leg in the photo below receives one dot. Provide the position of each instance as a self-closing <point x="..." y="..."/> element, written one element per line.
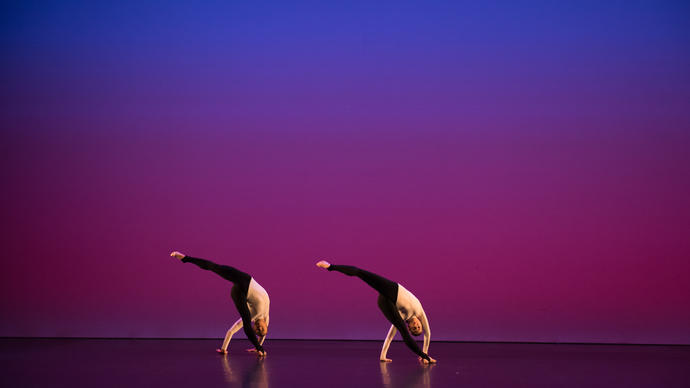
<point x="388" y="295"/>
<point x="239" y="291"/>
<point x="225" y="271"/>
<point x="385" y="287"/>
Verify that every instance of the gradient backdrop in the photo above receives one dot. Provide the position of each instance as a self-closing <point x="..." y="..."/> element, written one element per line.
<point x="522" y="167"/>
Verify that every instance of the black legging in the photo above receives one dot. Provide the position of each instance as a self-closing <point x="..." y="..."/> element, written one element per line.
<point x="240" y="288"/>
<point x="388" y="296"/>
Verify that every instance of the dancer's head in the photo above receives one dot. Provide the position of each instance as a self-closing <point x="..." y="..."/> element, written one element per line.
<point x="415" y="326"/>
<point x="260" y="327"/>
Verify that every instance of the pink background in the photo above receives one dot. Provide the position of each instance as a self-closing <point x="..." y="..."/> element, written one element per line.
<point x="524" y="170"/>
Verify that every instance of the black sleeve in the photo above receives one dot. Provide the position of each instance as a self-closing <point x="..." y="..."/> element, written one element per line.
<point x="225" y="271"/>
<point x="410" y="342"/>
<point x="391" y="312"/>
<point x="241" y="304"/>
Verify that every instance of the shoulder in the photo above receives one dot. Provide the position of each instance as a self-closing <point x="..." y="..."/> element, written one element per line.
<point x="255" y="287"/>
<point x="404" y="291"/>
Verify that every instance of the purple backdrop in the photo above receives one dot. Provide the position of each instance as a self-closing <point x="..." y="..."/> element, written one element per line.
<point x="523" y="168"/>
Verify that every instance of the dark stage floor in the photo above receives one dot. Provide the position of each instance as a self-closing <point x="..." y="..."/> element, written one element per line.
<point x="330" y="364"/>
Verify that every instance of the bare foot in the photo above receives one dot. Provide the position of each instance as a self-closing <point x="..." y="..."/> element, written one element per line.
<point x="386" y="360"/>
<point x="221" y="351"/>
<point x="323" y="264"/>
<point x="177" y="255"/>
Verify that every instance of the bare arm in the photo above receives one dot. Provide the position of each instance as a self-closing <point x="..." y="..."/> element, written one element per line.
<point x="427" y="332"/>
<point x="248" y="329"/>
<point x="261" y="340"/>
<point x="387" y="343"/>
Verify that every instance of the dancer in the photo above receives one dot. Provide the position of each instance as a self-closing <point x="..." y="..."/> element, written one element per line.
<point x="398" y="305"/>
<point x="249" y="297"/>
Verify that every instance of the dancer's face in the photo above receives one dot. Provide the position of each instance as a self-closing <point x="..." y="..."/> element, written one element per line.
<point x="415" y="326"/>
<point x="260" y="327"/>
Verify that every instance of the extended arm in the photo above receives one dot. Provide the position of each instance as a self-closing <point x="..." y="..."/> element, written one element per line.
<point x="391" y="313"/>
<point x="410" y="342"/>
<point x="261" y="342"/>
<point x="263" y="338"/>
<point x="427" y="332"/>
<point x="243" y="309"/>
<point x="387" y="343"/>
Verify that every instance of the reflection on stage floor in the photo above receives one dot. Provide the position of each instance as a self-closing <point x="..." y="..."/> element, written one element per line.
<point x="332" y="364"/>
